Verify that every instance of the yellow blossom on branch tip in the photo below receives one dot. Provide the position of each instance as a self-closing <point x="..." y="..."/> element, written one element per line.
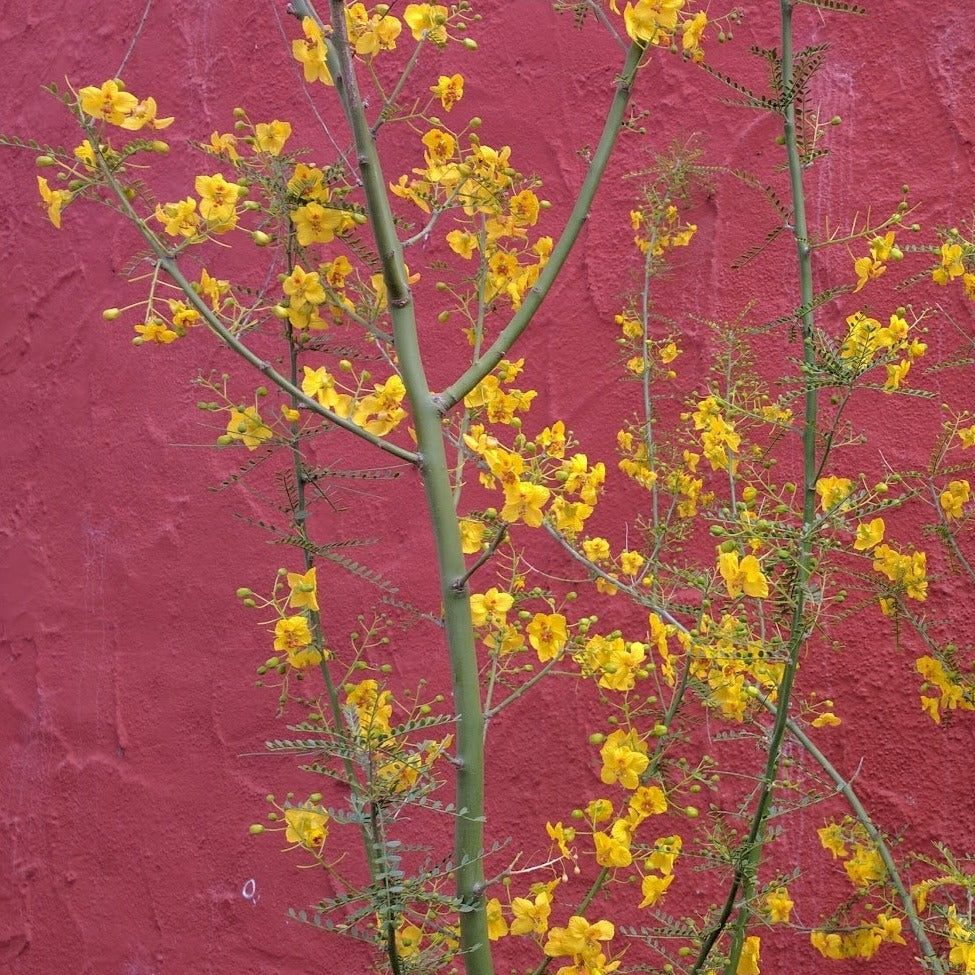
<point x="748" y="960"/>
<point x="247" y="426"/>
<point x="306" y="826"/>
<point x="624" y="759"/>
<point x="548" y="634"/>
<point x="779" y="905"/>
<point x="833" y="491"/>
<point x="109" y="102"/>
<point x="312" y="53"/>
<point x="270" y="137"/>
<point x="449" y="89"/>
<point x="578" y="939"/>
<point x="531" y="916"/>
<point x="869" y="534"/>
<point x="54" y="200"/>
<point x="653" y="888"/>
<point x="304" y="589"/>
<point x="955" y="495"/>
<point x="427" y="20"/>
<point x="496" y="924"/>
<point x="742" y="575"/>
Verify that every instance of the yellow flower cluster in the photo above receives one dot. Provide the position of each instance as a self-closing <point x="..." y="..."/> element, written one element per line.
<point x="907" y="572"/>
<point x="882" y="249"/>
<point x="951" y="693"/>
<point x="863" y="865"/>
<point x="957" y="261"/>
<point x="719" y="440"/>
<point x="862" y="942"/>
<point x="111" y="103"/>
<point x="216" y="212"/>
<point x="867" y="338"/>
<point x="379" y="411"/>
<point x="480" y="181"/>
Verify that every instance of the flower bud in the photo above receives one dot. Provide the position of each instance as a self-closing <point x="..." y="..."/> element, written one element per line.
<point x="110" y="314"/>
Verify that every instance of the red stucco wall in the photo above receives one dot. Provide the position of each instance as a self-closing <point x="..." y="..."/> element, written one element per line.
<point x="129" y="721"/>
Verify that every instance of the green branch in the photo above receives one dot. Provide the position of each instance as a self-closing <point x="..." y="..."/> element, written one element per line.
<point x="469" y="759"/>
<point x="454" y="393"/>
<point x="166" y="261"/>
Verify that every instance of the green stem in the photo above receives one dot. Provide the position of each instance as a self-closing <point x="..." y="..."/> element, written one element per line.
<point x="454" y="393"/>
<point x="744" y="880"/>
<point x="469" y="760"/>
<point x="846" y="790"/>
<point x="167" y="263"/>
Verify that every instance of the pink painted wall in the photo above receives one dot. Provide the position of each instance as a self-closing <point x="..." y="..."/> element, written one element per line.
<point x="129" y="723"/>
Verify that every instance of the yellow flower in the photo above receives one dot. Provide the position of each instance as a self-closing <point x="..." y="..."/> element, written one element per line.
<point x="374" y="707"/>
<point x="951" y="264"/>
<point x="491" y="606"/>
<point x="563" y="837"/>
<point x="109" y="102"/>
<point x="547" y="634"/>
<point x="306" y="826"/>
<point x="578" y="938"/>
<point x="525" y="502"/>
<point x="865" y="867"/>
<point x="831" y="837"/>
<point x="155" y="331"/>
<point x="693" y="34"/>
<point x="55" y="200"/>
<point x="779" y="905"/>
<point x="869" y="534"/>
<point x="427" y="19"/>
<point x="648" y="800"/>
<point x="967" y="436"/>
<point x="370" y="35"/>
<point x="954" y="497"/>
<point x="748" y="960"/>
<point x="144" y="115"/>
<point x="613" y="849"/>
<point x="665" y="852"/>
<point x="380" y="412"/>
<point x="450" y="90"/>
<point x="653" y="888"/>
<point x="471" y="536"/>
<point x="742" y="576"/>
<point x="270" y="137"/>
<point x="569" y="516"/>
<point x="248" y="427"/>
<point x="909" y="571"/>
<point x="496" y="924"/>
<point x="531" y="916"/>
<point x="826" y="720"/>
<point x="889" y="929"/>
<point x="651" y="21"/>
<point x="596" y="549"/>
<point x="179" y="219"/>
<point x="311" y="53"/>
<point x="408" y="938"/>
<point x="304" y="590"/>
<point x="896" y="373"/>
<point x="292" y="633"/>
<point x="218" y="202"/>
<point x="833" y="491"/>
<point x="624" y="759"/>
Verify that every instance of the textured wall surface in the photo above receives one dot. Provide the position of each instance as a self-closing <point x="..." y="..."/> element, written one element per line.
<point x="129" y="724"/>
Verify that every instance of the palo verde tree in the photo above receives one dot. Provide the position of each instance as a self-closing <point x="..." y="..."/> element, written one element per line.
<point x="757" y="525"/>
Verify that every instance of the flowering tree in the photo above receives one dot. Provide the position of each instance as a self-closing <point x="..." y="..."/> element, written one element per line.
<point x="378" y="295"/>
